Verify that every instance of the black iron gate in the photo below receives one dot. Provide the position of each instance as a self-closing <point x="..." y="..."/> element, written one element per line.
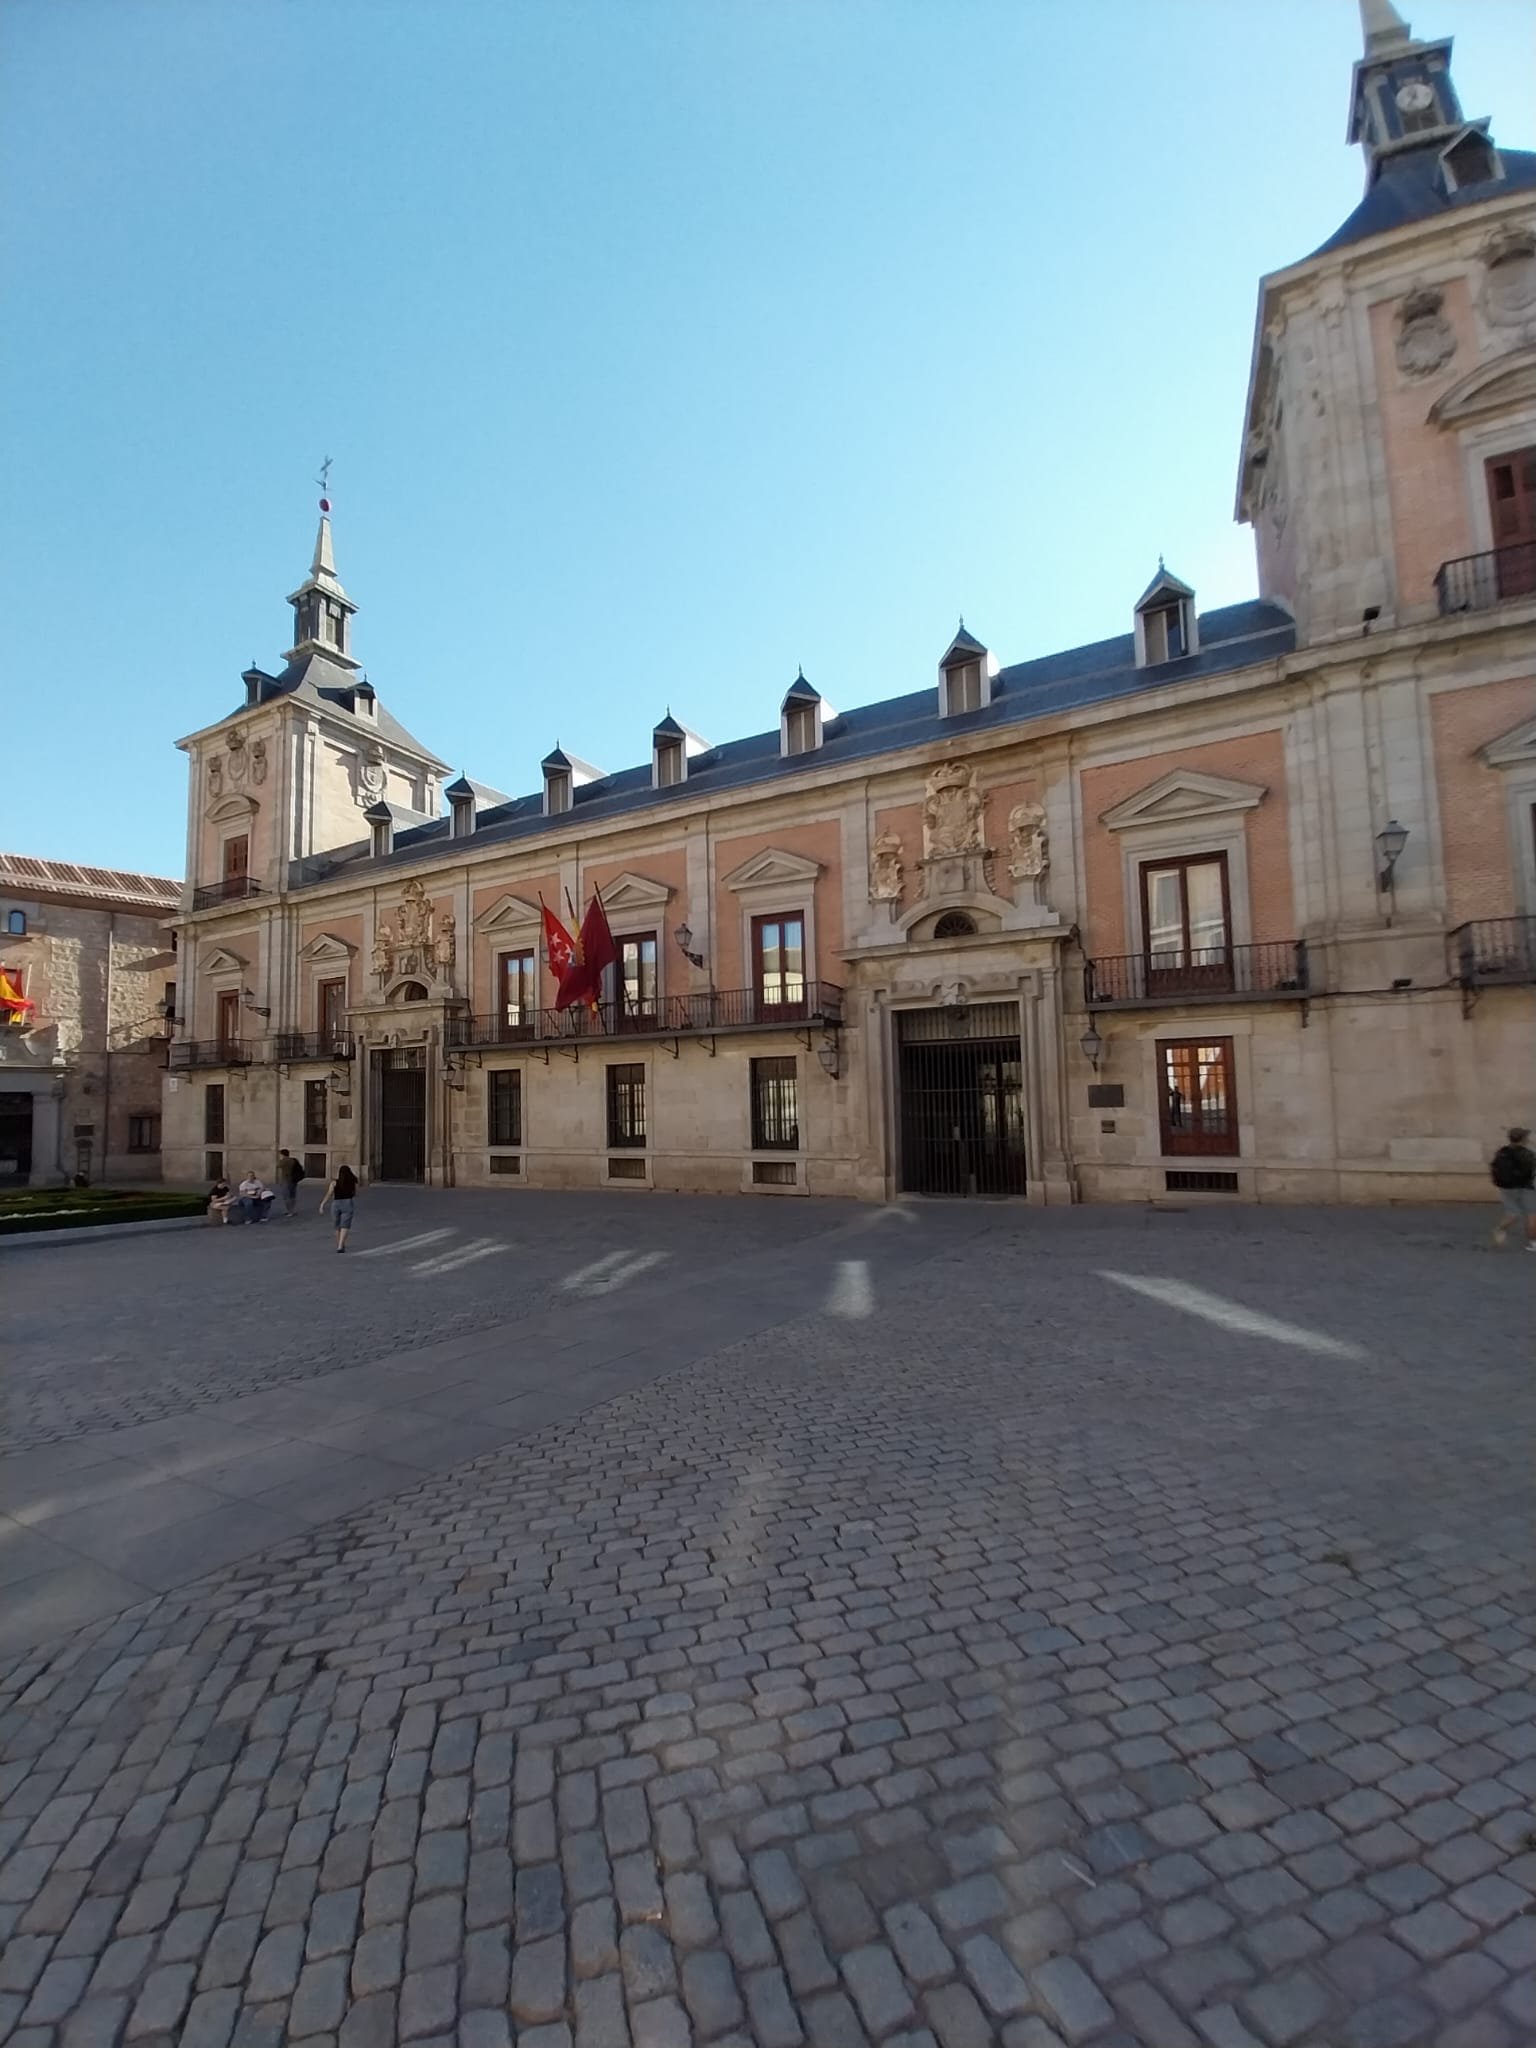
<point x="400" y="1113"/>
<point x="962" y="1101"/>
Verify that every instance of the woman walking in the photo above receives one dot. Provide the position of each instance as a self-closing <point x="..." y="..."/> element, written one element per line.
<point x="339" y="1198"/>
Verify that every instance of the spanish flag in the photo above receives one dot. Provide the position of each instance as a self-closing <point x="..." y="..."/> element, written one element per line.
<point x="12" y="1001"/>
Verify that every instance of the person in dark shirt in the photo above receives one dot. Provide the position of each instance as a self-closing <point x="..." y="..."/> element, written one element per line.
<point x="289" y="1174"/>
<point x="1513" y="1172"/>
<point x="339" y="1197"/>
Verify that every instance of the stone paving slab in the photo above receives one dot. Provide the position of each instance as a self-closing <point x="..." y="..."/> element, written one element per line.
<point x="1020" y="1663"/>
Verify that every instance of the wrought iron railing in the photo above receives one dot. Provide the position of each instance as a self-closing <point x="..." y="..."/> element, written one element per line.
<point x="312" y="1045"/>
<point x="1491" y="950"/>
<point x="1475" y="583"/>
<point x="1274" y="967"/>
<point x="230" y="890"/>
<point x="740" y="1009"/>
<point x="210" y="1052"/>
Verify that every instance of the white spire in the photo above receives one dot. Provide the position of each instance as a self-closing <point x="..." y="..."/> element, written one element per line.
<point x="1381" y="26"/>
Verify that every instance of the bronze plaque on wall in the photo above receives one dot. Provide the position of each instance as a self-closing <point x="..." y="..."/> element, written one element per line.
<point x="1106" y="1095"/>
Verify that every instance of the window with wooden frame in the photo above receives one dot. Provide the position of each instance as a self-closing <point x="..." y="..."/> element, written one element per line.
<point x="517" y="979"/>
<point x="317" y="1112"/>
<point x="962" y="688"/>
<point x="229" y="1017"/>
<point x="213" y="1113"/>
<point x="504" y="1106"/>
<point x="776" y="1105"/>
<point x="1198" y="1101"/>
<point x="778" y="965"/>
<point x="237" y="858"/>
<point x="1166" y="631"/>
<point x="800" y="722"/>
<point x="1512" y="513"/>
<point x="626" y="1106"/>
<point x="635" y="977"/>
<point x="1186" y="923"/>
<point x="144" y="1133"/>
<point x="331" y="1005"/>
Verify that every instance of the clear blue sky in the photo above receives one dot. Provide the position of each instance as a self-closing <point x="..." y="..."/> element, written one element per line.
<point x="660" y="345"/>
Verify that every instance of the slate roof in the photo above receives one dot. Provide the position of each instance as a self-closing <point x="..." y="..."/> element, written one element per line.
<point x="1410" y="187"/>
<point x="1233" y="637"/>
<point x="315" y="679"/>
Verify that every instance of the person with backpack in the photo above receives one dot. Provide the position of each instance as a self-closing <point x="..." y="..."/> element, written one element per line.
<point x="340" y="1197"/>
<point x="1513" y="1172"/>
<point x="290" y="1172"/>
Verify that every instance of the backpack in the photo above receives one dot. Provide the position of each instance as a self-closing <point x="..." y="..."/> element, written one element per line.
<point x="296" y="1171"/>
<point x="1510" y="1167"/>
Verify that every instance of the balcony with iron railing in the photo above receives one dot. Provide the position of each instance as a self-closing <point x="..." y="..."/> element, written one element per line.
<point x="716" y="1011"/>
<point x="230" y="890"/>
<point x="210" y="1052"/>
<point x="312" y="1045"/>
<point x="1492" y="952"/>
<point x="1476" y="583"/>
<point x="1273" y="970"/>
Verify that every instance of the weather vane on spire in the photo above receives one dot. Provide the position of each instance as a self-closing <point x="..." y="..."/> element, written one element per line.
<point x="324" y="481"/>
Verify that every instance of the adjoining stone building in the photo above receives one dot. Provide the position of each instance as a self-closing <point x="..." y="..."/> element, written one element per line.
<point x="87" y="998"/>
<point x="1241" y="901"/>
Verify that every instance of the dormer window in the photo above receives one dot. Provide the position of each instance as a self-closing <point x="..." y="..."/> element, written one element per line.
<point x="803" y="718"/>
<point x="965" y="676"/>
<point x="1470" y="160"/>
<point x="461" y="808"/>
<point x="381" y="826"/>
<point x="563" y="776"/>
<point x="673" y="746"/>
<point x="1166" y="628"/>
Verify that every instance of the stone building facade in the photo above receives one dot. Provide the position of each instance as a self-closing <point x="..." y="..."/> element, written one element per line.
<point x="1239" y="902"/>
<point x="88" y="953"/>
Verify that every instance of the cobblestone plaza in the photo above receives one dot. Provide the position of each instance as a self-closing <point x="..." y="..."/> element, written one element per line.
<point x="811" y="1625"/>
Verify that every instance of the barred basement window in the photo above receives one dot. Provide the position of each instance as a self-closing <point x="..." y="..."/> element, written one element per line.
<point x="626" y="1169"/>
<point x="504" y="1107"/>
<point x="508" y="1162"/>
<point x="1181" y="1183"/>
<point x="144" y="1134"/>
<point x="773" y="1173"/>
<point x="775" y="1105"/>
<point x="213" y="1166"/>
<point x="213" y="1113"/>
<point x="314" y="1166"/>
<point x="626" y="1108"/>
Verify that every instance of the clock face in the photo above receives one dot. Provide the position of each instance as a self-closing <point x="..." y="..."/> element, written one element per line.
<point x="1416" y="97"/>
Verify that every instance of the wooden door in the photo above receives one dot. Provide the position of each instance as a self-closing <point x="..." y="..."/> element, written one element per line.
<point x="229" y="1016"/>
<point x="1512" y="510"/>
<point x="237" y="858"/>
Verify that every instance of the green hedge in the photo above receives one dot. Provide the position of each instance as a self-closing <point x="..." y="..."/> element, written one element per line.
<point x="85" y="1208"/>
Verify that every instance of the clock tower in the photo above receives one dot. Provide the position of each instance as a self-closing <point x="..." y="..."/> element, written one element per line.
<point x="1402" y="96"/>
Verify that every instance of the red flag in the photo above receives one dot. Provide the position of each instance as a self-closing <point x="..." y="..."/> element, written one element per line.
<point x="597" y="948"/>
<point x="561" y="951"/>
<point x="595" y="951"/>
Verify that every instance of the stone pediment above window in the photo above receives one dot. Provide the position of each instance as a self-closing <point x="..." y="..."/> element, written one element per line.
<point x="327" y="949"/>
<point x="635" y="893"/>
<point x="1184" y="793"/>
<point x="773" y="870"/>
<point x="223" y="960"/>
<point x="228" y="810"/>
<point x="1515" y="749"/>
<point x="509" y="914"/>
<point x="1507" y="384"/>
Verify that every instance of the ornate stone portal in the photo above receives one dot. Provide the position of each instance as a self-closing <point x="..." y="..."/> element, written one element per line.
<point x="420" y="945"/>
